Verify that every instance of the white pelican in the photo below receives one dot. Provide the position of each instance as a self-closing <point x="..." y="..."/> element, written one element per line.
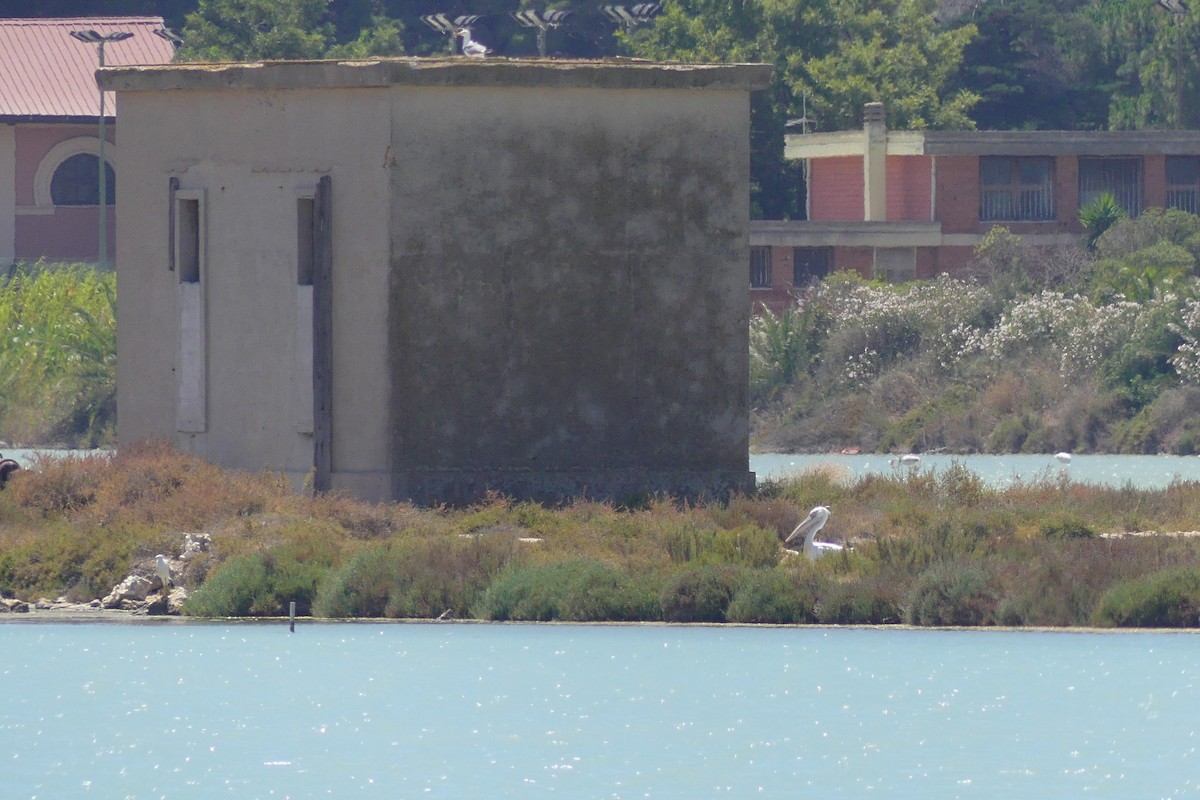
<point x="1063" y="458"/>
<point x="470" y="47"/>
<point x="163" y="568"/>
<point x="807" y="529"/>
<point x="908" y="460"/>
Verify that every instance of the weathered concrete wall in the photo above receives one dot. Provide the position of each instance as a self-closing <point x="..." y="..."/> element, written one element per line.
<point x="577" y="322"/>
<point x="253" y="154"/>
<point x="539" y="270"/>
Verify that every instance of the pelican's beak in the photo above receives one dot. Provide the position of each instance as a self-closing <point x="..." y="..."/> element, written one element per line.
<point x="801" y="530"/>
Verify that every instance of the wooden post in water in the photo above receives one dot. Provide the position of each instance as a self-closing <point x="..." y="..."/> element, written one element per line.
<point x="292" y="617"/>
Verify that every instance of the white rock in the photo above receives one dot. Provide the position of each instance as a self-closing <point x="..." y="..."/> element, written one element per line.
<point x="135" y="587"/>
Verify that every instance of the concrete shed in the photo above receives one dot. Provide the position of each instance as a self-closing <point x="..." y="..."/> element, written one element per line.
<point x="424" y="279"/>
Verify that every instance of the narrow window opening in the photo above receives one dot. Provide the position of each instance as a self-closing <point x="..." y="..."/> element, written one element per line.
<point x="305" y="240"/>
<point x="187" y="243"/>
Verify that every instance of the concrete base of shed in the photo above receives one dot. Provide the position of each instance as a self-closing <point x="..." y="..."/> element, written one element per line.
<point x="462" y="487"/>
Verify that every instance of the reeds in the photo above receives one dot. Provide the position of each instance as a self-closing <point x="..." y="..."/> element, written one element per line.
<point x="58" y="354"/>
<point x="926" y="548"/>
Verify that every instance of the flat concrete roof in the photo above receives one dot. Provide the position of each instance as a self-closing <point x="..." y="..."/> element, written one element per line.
<point x="998" y="143"/>
<point x="446" y="71"/>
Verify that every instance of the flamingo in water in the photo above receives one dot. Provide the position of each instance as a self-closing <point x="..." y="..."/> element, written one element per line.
<point x="807" y="530"/>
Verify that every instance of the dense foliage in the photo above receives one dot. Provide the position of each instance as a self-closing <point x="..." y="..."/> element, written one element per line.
<point x="58" y="357"/>
<point x="1031" y="351"/>
<point x="927" y="549"/>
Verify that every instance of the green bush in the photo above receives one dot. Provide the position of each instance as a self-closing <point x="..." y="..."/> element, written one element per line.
<point x="746" y="545"/>
<point x="580" y="590"/>
<point x="240" y="587"/>
<point x="1065" y="527"/>
<point x="260" y="585"/>
<point x="414" y="578"/>
<point x="772" y="596"/>
<point x="867" y="600"/>
<point x="950" y="593"/>
<point x="1169" y="598"/>
<point x="58" y="355"/>
<point x="699" y="594"/>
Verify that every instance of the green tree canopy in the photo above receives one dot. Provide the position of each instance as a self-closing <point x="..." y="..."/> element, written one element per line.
<point x="247" y="30"/>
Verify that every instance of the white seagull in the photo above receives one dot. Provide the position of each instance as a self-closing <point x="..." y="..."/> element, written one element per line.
<point x="470" y="47"/>
<point x="163" y="568"/>
<point x="807" y="529"/>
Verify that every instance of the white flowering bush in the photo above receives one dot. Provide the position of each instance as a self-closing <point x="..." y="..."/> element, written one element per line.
<point x="876" y="325"/>
<point x="1187" y="356"/>
<point x="1043" y="320"/>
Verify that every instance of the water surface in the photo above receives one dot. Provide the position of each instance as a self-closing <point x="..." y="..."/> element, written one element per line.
<point x="466" y="710"/>
<point x="998" y="471"/>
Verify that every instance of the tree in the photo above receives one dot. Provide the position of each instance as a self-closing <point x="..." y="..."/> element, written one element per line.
<point x="1036" y="66"/>
<point x="1153" y="51"/>
<point x="891" y="51"/>
<point x="251" y="30"/>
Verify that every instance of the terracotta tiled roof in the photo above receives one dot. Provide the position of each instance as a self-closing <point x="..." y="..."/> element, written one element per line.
<point x="45" y="73"/>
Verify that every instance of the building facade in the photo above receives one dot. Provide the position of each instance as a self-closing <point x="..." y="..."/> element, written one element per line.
<point x="899" y="205"/>
<point x="424" y="279"/>
<point x="49" y="133"/>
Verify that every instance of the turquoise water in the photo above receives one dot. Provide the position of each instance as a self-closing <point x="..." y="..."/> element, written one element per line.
<point x="186" y="710"/>
<point x="1143" y="472"/>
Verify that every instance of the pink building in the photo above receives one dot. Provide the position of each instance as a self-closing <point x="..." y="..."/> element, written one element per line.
<point x="49" y="132"/>
<point x="899" y="205"/>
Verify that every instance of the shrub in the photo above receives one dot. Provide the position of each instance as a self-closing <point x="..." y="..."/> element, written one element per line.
<point x="1169" y="598"/>
<point x="240" y="587"/>
<point x="699" y="594"/>
<point x="865" y="600"/>
<point x="747" y="545"/>
<point x="414" y="577"/>
<point x="772" y="596"/>
<point x="1065" y="527"/>
<point x="949" y="593"/>
<point x="58" y="354"/>
<point x="263" y="584"/>
<point x="580" y="591"/>
<point x="57" y="485"/>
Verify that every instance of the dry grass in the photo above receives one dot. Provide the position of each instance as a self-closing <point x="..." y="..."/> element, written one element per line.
<point x="76" y="527"/>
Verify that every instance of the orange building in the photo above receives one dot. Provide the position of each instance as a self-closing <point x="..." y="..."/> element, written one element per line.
<point x="899" y="205"/>
<point x="49" y="132"/>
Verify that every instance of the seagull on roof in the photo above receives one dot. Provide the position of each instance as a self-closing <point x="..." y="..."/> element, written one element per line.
<point x="470" y="47"/>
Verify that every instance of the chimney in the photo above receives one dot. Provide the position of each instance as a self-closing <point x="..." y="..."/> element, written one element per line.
<point x="874" y="163"/>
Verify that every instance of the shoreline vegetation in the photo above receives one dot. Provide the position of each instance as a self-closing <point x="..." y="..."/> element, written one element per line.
<point x="1029" y="350"/>
<point x="928" y="550"/>
<point x="1077" y="350"/>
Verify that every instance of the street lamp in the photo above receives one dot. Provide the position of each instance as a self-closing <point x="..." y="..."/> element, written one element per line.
<point x="90" y="36"/>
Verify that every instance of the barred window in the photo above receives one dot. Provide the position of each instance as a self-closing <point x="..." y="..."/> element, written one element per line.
<point x="1183" y="183"/>
<point x="1120" y="177"/>
<point x="1012" y="188"/>
<point x="760" y="267"/>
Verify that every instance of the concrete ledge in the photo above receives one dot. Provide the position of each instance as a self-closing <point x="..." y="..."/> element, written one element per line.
<point x="462" y="487"/>
<point x="381" y="72"/>
<point x="807" y="233"/>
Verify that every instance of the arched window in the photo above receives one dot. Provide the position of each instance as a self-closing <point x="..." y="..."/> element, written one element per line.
<point x="76" y="182"/>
